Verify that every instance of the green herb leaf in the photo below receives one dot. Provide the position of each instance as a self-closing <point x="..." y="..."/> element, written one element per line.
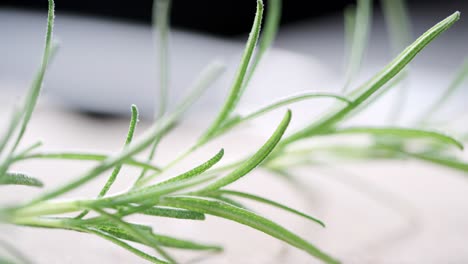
<point x="375" y="83"/>
<point x="270" y="202"/>
<point x="398" y="23"/>
<point x="12" y="124"/>
<point x="109" y="163"/>
<point x="88" y="156"/>
<point x="401" y="133"/>
<point x="253" y="161"/>
<point x="126" y="246"/>
<point x="205" y="79"/>
<point x="142" y="236"/>
<point x="359" y="39"/>
<point x="20" y="179"/>
<point x="234" y="121"/>
<point x="208" y="75"/>
<point x="155" y="131"/>
<point x="399" y="78"/>
<point x="441" y="160"/>
<point x="179" y="182"/>
<point x="349" y="17"/>
<point x="128" y="140"/>
<point x="268" y="34"/>
<point x="115" y="230"/>
<point x="456" y="83"/>
<point x="162" y="240"/>
<point x="116" y="171"/>
<point x="191" y="173"/>
<point x="169" y="241"/>
<point x="236" y="89"/>
<point x="173" y="213"/>
<point x="161" y="12"/>
<point x="224" y="210"/>
<point x="222" y="198"/>
<point x="33" y="93"/>
<point x="22" y="116"/>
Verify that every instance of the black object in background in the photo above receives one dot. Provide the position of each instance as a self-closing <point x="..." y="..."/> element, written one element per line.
<point x="224" y="18"/>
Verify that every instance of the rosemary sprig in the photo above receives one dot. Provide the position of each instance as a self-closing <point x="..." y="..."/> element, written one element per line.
<point x="202" y="190"/>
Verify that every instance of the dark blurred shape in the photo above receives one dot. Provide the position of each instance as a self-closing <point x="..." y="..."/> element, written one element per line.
<point x="224" y="18"/>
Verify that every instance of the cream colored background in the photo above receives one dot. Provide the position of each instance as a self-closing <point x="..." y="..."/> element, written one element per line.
<point x="421" y="215"/>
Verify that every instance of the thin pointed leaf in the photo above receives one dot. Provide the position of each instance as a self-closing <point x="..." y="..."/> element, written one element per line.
<point x="22" y="116"/>
<point x="155" y="131"/>
<point x="179" y="182"/>
<point x="27" y="150"/>
<point x="161" y="13"/>
<point x="360" y="37"/>
<point x="273" y="106"/>
<point x="136" y="197"/>
<point x="162" y="240"/>
<point x="398" y="23"/>
<point x="441" y="160"/>
<point x="20" y="179"/>
<point x="267" y="37"/>
<point x="253" y="161"/>
<point x="248" y="218"/>
<point x="169" y="241"/>
<point x="34" y="91"/>
<point x="293" y="99"/>
<point x="226" y="200"/>
<point x="111" y="227"/>
<point x="456" y="83"/>
<point x="173" y="213"/>
<point x="385" y="89"/>
<point x="349" y="17"/>
<point x="191" y="173"/>
<point x="116" y="171"/>
<point x="207" y="77"/>
<point x="146" y="140"/>
<point x="272" y="203"/>
<point x="128" y="140"/>
<point x="375" y="83"/>
<point x="236" y="89"/>
<point x="397" y="20"/>
<point x="402" y="133"/>
<point x="12" y="124"/>
<point x="142" y="236"/>
<point x="88" y="156"/>
<point x="126" y="246"/>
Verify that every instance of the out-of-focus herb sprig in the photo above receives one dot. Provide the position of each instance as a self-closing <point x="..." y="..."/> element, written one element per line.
<point x="390" y="142"/>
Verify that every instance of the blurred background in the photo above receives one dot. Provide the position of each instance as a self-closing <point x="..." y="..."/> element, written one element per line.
<point x="107" y="62"/>
<point x="209" y="16"/>
<point x="107" y="48"/>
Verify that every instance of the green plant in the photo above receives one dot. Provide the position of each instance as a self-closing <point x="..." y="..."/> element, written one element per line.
<point x="202" y="190"/>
